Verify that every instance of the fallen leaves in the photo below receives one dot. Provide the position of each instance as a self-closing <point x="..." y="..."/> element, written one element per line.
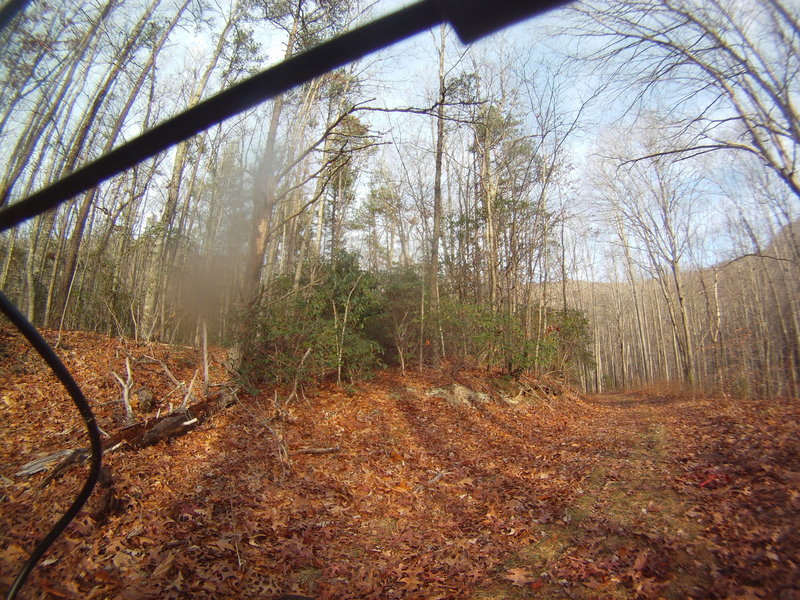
<point x="603" y="497"/>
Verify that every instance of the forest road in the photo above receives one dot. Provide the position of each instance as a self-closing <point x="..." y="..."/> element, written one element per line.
<point x="679" y="497"/>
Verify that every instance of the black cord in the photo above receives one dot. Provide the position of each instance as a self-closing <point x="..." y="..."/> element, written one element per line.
<point x="46" y="352"/>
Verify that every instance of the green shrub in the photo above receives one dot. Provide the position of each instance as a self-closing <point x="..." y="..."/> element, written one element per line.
<point x="317" y="332"/>
<point x="570" y="337"/>
<point x="343" y="322"/>
<point x="493" y="338"/>
<point x="395" y="327"/>
<point x="499" y="339"/>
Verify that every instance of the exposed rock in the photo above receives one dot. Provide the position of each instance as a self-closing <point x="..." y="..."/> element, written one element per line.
<point x="458" y="395"/>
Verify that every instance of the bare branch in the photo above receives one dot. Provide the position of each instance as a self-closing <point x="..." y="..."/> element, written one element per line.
<point x="188" y="395"/>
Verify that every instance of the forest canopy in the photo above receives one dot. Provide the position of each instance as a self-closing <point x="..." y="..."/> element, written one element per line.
<point x="609" y="193"/>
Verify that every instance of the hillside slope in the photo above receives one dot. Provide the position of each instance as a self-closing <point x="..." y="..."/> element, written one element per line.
<point x="404" y="487"/>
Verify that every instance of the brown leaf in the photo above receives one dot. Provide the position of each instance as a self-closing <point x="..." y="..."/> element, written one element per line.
<point x="641" y="561"/>
<point x="520" y="577"/>
<point x="164" y="567"/>
<point x="411" y="582"/>
<point x="104" y="576"/>
<point x="224" y="544"/>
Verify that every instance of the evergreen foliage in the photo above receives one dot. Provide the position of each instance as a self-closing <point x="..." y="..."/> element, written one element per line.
<point x="344" y="322"/>
<point x="316" y="332"/>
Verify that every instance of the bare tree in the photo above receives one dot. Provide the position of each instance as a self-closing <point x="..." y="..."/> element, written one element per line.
<point x="654" y="201"/>
<point x="122" y="58"/>
<point x="167" y="221"/>
<point x="728" y="72"/>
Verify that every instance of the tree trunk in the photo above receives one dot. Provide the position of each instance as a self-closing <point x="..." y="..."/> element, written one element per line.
<point x="42" y="118"/>
<point x="73" y="246"/>
<point x="150" y="317"/>
<point x="264" y="200"/>
<point x="437" y="195"/>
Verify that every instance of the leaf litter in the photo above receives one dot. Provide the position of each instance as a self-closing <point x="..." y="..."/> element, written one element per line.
<point x="523" y="490"/>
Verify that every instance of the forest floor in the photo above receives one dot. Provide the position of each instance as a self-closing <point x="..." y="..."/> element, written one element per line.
<point x="498" y="489"/>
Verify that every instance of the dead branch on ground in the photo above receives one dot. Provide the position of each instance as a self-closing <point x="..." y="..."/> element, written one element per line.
<point x="126" y="385"/>
<point x="319" y="450"/>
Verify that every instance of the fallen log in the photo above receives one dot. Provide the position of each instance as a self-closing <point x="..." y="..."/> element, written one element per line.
<point x="138" y="435"/>
<point x="152" y="431"/>
<point x="319" y="450"/>
<point x="43" y="463"/>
